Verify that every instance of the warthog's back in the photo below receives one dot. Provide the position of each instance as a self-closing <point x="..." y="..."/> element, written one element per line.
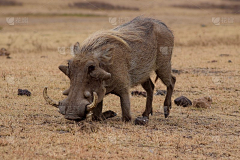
<point x="146" y="55"/>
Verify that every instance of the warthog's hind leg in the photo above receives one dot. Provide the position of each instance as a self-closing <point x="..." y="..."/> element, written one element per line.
<point x="168" y="101"/>
<point x="169" y="80"/>
<point x="149" y="87"/>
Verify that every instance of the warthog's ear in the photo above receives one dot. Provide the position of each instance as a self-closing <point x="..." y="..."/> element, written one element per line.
<point x="64" y="69"/>
<point x="76" y="48"/>
<point x="105" y="56"/>
<point x="98" y="73"/>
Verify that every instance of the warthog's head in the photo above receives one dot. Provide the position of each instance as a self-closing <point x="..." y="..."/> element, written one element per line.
<point x="86" y="83"/>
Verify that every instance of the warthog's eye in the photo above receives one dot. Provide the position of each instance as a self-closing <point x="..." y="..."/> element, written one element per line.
<point x="91" y="68"/>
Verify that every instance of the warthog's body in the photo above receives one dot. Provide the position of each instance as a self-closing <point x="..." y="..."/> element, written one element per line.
<point x="116" y="60"/>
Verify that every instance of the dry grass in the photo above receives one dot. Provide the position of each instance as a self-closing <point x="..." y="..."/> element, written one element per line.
<point x="31" y="129"/>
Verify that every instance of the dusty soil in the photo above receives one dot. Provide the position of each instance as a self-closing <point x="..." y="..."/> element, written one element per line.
<point x="39" y="42"/>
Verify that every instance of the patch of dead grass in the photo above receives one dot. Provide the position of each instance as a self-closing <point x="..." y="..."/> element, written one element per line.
<point x="31" y="129"/>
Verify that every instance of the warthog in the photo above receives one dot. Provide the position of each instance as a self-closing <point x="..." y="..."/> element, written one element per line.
<point x="114" y="61"/>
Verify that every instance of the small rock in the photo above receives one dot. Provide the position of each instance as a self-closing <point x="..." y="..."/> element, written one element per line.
<point x="229" y="61"/>
<point x="151" y="150"/>
<point x="204" y="102"/>
<point x="161" y="92"/>
<point x="203" y="25"/>
<point x="182" y="101"/>
<point x="213" y="61"/>
<point x="176" y="71"/>
<point x="139" y="93"/>
<point x="22" y="92"/>
<point x="141" y="121"/>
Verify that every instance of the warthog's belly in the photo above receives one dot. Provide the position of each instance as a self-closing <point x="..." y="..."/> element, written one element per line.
<point x="141" y="69"/>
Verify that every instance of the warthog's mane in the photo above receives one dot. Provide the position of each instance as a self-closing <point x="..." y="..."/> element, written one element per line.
<point x="112" y="37"/>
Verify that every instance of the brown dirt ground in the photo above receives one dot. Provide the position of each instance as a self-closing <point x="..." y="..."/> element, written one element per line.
<point x="31" y="129"/>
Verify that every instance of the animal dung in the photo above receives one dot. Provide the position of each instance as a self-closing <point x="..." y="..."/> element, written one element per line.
<point x="141" y="121"/>
<point x="139" y="93"/>
<point x="182" y="101"/>
<point x="161" y="92"/>
<point x="4" y="52"/>
<point x="203" y="102"/>
<point x="22" y="92"/>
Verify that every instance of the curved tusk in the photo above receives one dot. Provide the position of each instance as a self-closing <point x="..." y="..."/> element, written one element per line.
<point x="48" y="99"/>
<point x="91" y="106"/>
<point x="89" y="116"/>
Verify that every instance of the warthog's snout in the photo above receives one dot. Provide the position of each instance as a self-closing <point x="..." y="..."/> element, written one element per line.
<point x="81" y="112"/>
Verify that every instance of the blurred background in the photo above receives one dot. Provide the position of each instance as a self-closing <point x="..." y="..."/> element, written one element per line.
<point x="36" y="26"/>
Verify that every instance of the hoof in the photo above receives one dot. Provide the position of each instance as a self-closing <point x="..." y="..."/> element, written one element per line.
<point x="141" y="121"/>
<point x="126" y="119"/>
<point x="166" y="115"/>
<point x="166" y="111"/>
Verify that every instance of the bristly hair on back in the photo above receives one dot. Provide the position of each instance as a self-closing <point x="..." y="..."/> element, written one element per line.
<point x="112" y="37"/>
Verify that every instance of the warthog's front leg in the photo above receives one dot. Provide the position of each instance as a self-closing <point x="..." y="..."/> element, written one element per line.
<point x="149" y="87"/>
<point x="99" y="116"/>
<point x="125" y="105"/>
